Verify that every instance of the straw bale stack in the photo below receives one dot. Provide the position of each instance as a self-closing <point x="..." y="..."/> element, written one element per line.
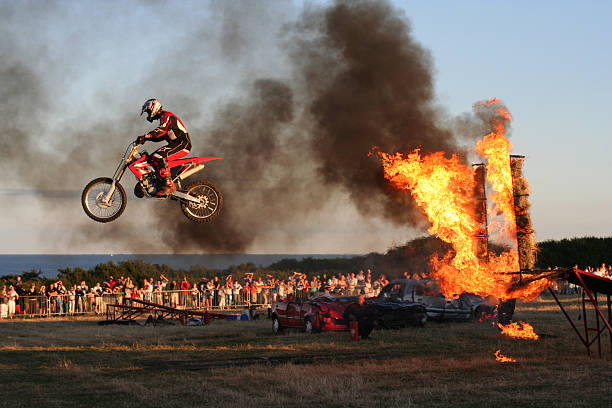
<point x="527" y="246"/>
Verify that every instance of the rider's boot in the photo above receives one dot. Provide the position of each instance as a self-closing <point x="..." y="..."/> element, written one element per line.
<point x="169" y="188"/>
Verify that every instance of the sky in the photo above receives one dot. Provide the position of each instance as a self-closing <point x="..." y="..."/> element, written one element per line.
<point x="86" y="68"/>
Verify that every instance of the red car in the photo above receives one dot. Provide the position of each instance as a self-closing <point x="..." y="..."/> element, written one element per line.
<point x="319" y="313"/>
<point x="324" y="313"/>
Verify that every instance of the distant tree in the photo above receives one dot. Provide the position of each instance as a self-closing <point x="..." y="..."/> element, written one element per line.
<point x="586" y="251"/>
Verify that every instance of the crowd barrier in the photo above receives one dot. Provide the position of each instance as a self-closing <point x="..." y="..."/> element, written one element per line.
<point x="93" y="304"/>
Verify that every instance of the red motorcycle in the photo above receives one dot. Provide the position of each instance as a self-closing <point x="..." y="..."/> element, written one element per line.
<point x="104" y="199"/>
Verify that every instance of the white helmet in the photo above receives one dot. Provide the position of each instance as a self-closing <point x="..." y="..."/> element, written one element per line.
<point x="153" y="107"/>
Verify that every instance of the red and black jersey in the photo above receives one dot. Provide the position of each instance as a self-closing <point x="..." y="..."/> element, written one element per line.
<point x="170" y="129"/>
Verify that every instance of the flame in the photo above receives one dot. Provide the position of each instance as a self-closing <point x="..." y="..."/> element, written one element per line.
<point x="496" y="149"/>
<point x="519" y="330"/>
<point x="443" y="187"/>
<point x="503" y="359"/>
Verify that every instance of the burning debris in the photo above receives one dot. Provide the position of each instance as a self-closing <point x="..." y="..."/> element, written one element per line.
<point x="519" y="330"/>
<point x="503" y="359"/>
<point x="452" y="195"/>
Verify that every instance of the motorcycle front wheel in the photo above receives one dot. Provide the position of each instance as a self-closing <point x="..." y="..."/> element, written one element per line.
<point x="211" y="201"/>
<point x="93" y="202"/>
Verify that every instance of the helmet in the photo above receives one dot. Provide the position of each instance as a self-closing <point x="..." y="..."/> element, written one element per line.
<point x="153" y="107"/>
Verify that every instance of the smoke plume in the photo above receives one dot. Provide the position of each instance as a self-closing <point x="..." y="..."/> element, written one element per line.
<point x="295" y="132"/>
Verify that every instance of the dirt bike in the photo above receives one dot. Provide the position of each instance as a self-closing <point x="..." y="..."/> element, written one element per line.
<point x="104" y="199"/>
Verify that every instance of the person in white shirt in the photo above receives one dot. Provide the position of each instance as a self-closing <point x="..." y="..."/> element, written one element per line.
<point x="236" y="291"/>
<point x="222" y="297"/>
<point x="351" y="284"/>
<point x="12" y="299"/>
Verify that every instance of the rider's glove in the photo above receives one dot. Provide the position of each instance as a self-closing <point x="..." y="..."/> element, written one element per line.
<point x="140" y="140"/>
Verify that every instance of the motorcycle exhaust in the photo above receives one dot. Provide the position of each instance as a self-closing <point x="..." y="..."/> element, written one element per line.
<point x="188" y="173"/>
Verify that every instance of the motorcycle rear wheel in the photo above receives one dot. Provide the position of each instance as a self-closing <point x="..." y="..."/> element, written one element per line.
<point x="95" y="208"/>
<point x="210" y="205"/>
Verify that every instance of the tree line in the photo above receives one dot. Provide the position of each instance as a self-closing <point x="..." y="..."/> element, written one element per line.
<point x="412" y="257"/>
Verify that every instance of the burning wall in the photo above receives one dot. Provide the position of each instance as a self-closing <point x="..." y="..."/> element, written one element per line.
<point x="481" y="239"/>
<point x="452" y="197"/>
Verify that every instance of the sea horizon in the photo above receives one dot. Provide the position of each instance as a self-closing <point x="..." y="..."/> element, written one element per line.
<point x="49" y="264"/>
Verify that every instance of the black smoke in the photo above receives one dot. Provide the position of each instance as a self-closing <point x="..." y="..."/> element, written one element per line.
<point x="293" y="141"/>
<point x="367" y="83"/>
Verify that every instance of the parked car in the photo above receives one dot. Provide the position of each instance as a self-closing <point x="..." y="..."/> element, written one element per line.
<point x="325" y="313"/>
<point x="427" y="293"/>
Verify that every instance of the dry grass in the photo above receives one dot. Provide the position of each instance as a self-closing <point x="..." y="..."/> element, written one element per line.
<point x="76" y="362"/>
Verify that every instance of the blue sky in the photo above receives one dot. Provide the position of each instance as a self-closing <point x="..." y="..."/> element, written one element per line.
<point x="549" y="61"/>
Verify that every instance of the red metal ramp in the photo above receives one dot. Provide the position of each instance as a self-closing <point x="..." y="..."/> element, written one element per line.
<point x="591" y="285"/>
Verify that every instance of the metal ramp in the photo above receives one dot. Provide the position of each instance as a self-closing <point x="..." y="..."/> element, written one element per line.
<point x="132" y="309"/>
<point x="591" y="285"/>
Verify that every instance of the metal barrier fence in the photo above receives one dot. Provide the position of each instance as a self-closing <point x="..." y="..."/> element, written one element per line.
<point x="94" y="304"/>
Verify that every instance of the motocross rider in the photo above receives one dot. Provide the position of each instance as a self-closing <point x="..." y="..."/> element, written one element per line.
<point x="171" y="130"/>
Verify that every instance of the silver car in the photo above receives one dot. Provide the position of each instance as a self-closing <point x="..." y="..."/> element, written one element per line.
<point x="427" y="292"/>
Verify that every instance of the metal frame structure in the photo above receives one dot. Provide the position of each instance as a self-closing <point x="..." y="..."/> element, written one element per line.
<point x="591" y="285"/>
<point x="134" y="308"/>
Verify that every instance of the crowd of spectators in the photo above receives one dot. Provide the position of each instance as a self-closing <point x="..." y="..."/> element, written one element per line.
<point x="603" y="271"/>
<point x="216" y="293"/>
<point x="566" y="288"/>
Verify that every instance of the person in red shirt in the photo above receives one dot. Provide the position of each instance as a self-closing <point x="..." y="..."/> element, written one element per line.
<point x="185" y="285"/>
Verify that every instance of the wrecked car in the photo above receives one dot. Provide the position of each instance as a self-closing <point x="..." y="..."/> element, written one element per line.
<point x="426" y="292"/>
<point x="316" y="314"/>
<point x="325" y="313"/>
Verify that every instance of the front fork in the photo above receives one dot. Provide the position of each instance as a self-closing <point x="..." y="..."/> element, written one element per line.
<point x="118" y="174"/>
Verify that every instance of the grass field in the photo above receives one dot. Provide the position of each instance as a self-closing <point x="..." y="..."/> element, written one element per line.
<point x="47" y="363"/>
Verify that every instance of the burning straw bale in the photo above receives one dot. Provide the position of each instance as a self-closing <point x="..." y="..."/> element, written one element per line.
<point x="527" y="246"/>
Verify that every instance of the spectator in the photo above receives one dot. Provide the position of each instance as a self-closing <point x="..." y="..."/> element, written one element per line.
<point x="60" y="297"/>
<point x="253" y="294"/>
<point x="174" y="296"/>
<point x="71" y="295"/>
<point x="216" y="288"/>
<point x="259" y="291"/>
<point x="351" y="284"/>
<point x="44" y="301"/>
<point x="32" y="301"/>
<point x="282" y="290"/>
<point x="209" y="294"/>
<point x="12" y="301"/>
<point x="4" y="299"/>
<point x="21" y="292"/>
<point x="91" y="301"/>
<point x="236" y="290"/>
<point x="184" y="291"/>
<point x="368" y="289"/>
<point x="195" y="296"/>
<point x="229" y="292"/>
<point x="360" y="279"/>
<point x="222" y="297"/>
